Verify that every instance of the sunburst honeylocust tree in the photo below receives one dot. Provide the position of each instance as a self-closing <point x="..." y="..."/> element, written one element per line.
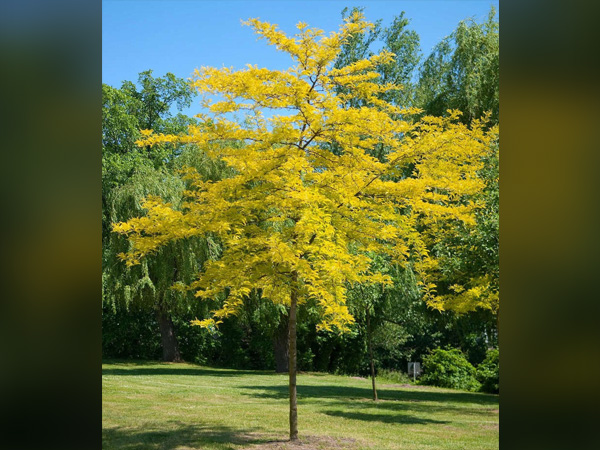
<point x="297" y="222"/>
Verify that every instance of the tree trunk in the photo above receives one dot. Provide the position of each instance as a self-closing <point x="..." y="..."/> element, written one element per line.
<point x="167" y="336"/>
<point x="292" y="362"/>
<point x="370" y="344"/>
<point x="280" y="347"/>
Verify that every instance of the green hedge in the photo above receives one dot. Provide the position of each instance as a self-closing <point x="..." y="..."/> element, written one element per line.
<point x="450" y="369"/>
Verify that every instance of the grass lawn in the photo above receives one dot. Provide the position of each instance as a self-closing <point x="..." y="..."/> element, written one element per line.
<point x="151" y="406"/>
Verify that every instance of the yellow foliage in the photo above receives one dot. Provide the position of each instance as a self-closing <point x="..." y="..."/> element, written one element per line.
<point x="295" y="217"/>
<point x="479" y="294"/>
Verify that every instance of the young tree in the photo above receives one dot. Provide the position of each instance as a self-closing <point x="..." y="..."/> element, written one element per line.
<point x="297" y="222"/>
<point x="384" y="312"/>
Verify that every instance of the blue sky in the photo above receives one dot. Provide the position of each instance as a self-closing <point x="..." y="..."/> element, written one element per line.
<point x="179" y="36"/>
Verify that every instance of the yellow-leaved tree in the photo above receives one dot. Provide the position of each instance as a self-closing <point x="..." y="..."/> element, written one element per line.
<point x="298" y="222"/>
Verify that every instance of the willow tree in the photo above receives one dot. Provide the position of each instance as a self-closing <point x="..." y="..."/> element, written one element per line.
<point x="130" y="173"/>
<point x="299" y="223"/>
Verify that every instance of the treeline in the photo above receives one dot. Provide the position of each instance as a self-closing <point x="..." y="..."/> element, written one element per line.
<point x="144" y="317"/>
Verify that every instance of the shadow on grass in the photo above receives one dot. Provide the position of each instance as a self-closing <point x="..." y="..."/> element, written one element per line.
<point x="349" y="393"/>
<point x="175" y="369"/>
<point x="386" y="418"/>
<point x="181" y="437"/>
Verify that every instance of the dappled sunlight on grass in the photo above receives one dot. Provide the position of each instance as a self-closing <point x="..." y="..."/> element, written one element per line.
<point x="154" y="405"/>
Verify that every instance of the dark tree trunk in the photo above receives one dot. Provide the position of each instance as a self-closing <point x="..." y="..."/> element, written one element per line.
<point x="280" y="346"/>
<point x="167" y="336"/>
<point x="370" y="344"/>
<point x="292" y="362"/>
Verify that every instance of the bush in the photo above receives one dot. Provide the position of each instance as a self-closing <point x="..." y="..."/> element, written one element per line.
<point x="488" y="372"/>
<point x="450" y="369"/>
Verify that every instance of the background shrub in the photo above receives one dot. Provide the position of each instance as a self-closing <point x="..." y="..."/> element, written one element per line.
<point x="450" y="369"/>
<point x="488" y="372"/>
<point x="130" y="334"/>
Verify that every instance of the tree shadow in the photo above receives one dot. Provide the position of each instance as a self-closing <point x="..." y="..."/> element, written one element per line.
<point x="185" y="371"/>
<point x="133" y="362"/>
<point x="403" y="407"/>
<point x="181" y="437"/>
<point x="404" y="419"/>
<point x="352" y="393"/>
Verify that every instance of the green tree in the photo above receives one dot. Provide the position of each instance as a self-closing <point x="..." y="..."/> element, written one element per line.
<point x="131" y="173"/>
<point x="396" y="38"/>
<point x="383" y="312"/>
<point x="125" y="111"/>
<point x="463" y="72"/>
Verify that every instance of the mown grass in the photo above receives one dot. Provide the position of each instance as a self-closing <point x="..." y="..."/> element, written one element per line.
<point x="151" y="406"/>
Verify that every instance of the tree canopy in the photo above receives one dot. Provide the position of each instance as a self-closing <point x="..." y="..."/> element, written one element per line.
<point x="293" y="216"/>
<point x="299" y="223"/>
<point x="463" y="72"/>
